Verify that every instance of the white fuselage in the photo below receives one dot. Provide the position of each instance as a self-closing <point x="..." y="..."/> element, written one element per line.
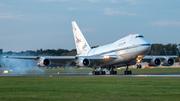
<point x="126" y="49"/>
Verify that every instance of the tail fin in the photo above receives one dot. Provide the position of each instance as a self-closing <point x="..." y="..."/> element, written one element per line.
<point x="81" y="44"/>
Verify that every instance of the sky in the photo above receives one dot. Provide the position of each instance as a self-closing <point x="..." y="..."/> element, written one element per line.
<point x="35" y="24"/>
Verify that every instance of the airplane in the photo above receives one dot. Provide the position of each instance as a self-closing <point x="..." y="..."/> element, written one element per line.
<point x="127" y="51"/>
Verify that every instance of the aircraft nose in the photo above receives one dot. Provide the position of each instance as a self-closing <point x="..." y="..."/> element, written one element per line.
<point x="147" y="47"/>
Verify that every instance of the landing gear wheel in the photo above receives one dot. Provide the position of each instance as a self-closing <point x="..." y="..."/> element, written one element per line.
<point x="102" y="72"/>
<point x="138" y="66"/>
<point x="113" y="72"/>
<point x="127" y="71"/>
<point x="111" y="69"/>
<point x="97" y="72"/>
<point x="93" y="72"/>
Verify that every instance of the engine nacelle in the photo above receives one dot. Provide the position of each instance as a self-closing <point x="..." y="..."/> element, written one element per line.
<point x="155" y="62"/>
<point x="168" y="62"/>
<point x="85" y="62"/>
<point x="43" y="62"/>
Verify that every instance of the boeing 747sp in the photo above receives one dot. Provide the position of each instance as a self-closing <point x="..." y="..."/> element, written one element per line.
<point x="123" y="52"/>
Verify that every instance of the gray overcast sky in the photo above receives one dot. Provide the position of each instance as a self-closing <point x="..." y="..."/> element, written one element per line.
<point x="34" y="24"/>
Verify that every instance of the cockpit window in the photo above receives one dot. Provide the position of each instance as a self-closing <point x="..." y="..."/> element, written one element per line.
<point x="140" y="36"/>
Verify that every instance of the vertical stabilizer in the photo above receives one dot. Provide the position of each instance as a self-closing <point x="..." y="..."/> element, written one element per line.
<point x="81" y="44"/>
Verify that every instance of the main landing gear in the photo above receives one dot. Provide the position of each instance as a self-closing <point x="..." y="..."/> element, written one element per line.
<point x="126" y="72"/>
<point x="99" y="71"/>
<point x="111" y="69"/>
<point x="94" y="72"/>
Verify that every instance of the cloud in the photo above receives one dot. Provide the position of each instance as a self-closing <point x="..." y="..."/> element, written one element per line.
<point x="10" y="16"/>
<point x="165" y="23"/>
<point x="5" y="15"/>
<point x="110" y="11"/>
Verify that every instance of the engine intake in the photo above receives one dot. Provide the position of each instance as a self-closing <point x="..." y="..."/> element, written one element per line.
<point x="85" y="62"/>
<point x="155" y="62"/>
<point x="168" y="62"/>
<point x="43" y="62"/>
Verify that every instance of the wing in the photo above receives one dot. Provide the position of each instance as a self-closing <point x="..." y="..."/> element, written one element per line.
<point x="53" y="59"/>
<point x="47" y="60"/>
<point x="160" y="57"/>
<point x="156" y="60"/>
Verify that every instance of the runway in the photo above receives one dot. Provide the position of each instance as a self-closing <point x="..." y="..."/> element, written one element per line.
<point x="90" y="75"/>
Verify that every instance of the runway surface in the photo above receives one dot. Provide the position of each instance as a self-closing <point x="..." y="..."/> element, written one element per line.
<point x="90" y="75"/>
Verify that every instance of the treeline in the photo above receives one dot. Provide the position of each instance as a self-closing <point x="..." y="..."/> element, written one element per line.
<point x="47" y="52"/>
<point x="168" y="49"/>
<point x="156" y="49"/>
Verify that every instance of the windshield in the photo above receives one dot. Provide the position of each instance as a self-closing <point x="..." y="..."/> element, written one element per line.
<point x="140" y="36"/>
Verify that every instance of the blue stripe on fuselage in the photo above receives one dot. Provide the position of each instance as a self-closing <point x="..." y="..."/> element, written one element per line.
<point x="122" y="49"/>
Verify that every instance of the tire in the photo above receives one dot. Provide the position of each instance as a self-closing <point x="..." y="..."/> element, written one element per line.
<point x="127" y="72"/>
<point x="96" y="73"/>
<point x="101" y="72"/>
<point x="140" y="66"/>
<point x="104" y="72"/>
<point x="137" y="66"/>
<point x="93" y="72"/>
<point x="130" y="72"/>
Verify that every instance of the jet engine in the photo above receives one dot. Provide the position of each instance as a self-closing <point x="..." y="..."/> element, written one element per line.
<point x="168" y="62"/>
<point x="42" y="62"/>
<point x="85" y="62"/>
<point x="155" y="62"/>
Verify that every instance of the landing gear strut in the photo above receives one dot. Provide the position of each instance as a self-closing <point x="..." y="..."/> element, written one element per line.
<point x="101" y="72"/>
<point x="127" y="71"/>
<point x="112" y="70"/>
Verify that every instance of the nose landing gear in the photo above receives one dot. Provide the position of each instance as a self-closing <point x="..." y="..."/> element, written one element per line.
<point x="138" y="66"/>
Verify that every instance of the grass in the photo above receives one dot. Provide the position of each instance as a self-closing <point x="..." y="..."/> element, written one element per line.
<point x="89" y="88"/>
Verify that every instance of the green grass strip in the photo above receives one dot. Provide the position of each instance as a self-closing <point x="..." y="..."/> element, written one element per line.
<point x="89" y="88"/>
